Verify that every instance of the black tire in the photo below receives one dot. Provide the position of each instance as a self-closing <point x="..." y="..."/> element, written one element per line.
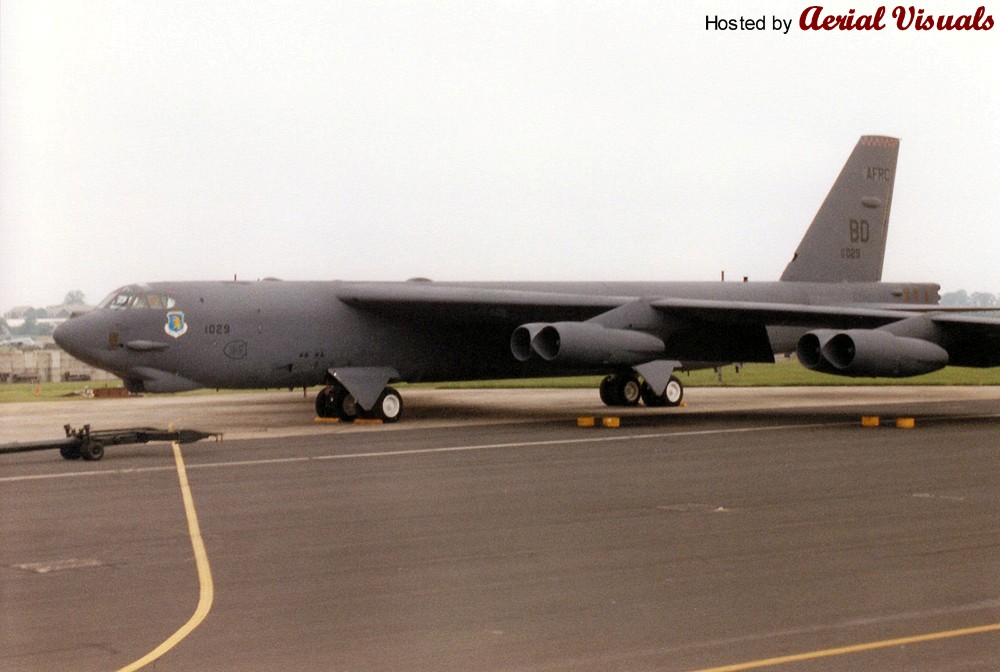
<point x="628" y="390"/>
<point x="346" y="405"/>
<point x="92" y="451"/>
<point x="389" y="407"/>
<point x="70" y="453"/>
<point x="324" y="407"/>
<point x="652" y="399"/>
<point x="609" y="391"/>
<point x="674" y="394"/>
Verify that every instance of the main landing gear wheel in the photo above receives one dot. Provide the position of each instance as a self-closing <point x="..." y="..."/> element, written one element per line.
<point x="672" y="396"/>
<point x="674" y="392"/>
<point x="323" y="406"/>
<point x="389" y="406"/>
<point x="333" y="402"/>
<point x="624" y="389"/>
<point x="621" y="389"/>
<point x="347" y="407"/>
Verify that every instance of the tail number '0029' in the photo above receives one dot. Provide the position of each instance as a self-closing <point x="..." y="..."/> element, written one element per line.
<point x="217" y="329"/>
<point x="850" y="253"/>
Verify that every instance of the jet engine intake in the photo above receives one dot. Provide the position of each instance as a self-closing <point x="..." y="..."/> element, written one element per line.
<point x="869" y="352"/>
<point x="810" y="349"/>
<point x="584" y="343"/>
<point x="520" y="340"/>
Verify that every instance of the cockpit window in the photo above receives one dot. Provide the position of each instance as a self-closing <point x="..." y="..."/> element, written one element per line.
<point x="159" y="301"/>
<point x="129" y="297"/>
<point x="119" y="300"/>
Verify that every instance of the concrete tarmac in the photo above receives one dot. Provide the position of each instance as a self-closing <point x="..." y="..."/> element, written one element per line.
<point x="488" y="532"/>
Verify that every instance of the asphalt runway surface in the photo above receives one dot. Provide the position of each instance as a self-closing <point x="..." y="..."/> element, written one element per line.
<point x="752" y="529"/>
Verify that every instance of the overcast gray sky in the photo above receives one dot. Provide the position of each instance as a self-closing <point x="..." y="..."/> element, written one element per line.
<point x="168" y="140"/>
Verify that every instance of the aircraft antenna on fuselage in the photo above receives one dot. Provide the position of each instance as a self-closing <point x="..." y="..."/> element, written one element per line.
<point x="846" y="240"/>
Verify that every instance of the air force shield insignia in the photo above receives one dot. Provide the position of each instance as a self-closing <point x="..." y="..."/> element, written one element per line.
<point x="175" y="326"/>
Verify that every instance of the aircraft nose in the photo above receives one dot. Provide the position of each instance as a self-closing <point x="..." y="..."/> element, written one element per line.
<point x="66" y="335"/>
<point x="79" y="336"/>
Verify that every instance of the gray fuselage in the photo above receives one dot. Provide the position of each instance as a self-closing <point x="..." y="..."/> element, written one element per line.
<point x="172" y="336"/>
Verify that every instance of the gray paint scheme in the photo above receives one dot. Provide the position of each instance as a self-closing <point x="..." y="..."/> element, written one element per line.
<point x="360" y="336"/>
<point x="853" y="220"/>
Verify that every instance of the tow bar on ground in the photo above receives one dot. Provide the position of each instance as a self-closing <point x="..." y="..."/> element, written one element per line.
<point x="89" y="444"/>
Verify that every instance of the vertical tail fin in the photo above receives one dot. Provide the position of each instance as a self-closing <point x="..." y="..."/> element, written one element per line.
<point x="846" y="240"/>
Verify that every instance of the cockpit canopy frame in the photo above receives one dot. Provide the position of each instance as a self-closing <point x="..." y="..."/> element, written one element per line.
<point x="137" y="297"/>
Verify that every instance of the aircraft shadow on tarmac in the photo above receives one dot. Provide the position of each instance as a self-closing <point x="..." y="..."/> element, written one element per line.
<point x="954" y="413"/>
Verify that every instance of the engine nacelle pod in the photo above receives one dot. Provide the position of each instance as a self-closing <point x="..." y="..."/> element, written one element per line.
<point x="520" y="340"/>
<point x="871" y="352"/>
<point x="810" y="350"/>
<point x="587" y="343"/>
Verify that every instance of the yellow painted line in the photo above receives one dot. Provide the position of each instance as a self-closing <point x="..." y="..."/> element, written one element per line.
<point x="207" y="591"/>
<point x="856" y="648"/>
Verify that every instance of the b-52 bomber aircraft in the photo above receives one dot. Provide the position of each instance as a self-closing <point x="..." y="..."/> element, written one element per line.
<point x="356" y="338"/>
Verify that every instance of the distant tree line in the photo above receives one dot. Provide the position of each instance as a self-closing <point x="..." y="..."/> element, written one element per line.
<point x="976" y="299"/>
<point x="30" y="327"/>
<point x="31" y="316"/>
